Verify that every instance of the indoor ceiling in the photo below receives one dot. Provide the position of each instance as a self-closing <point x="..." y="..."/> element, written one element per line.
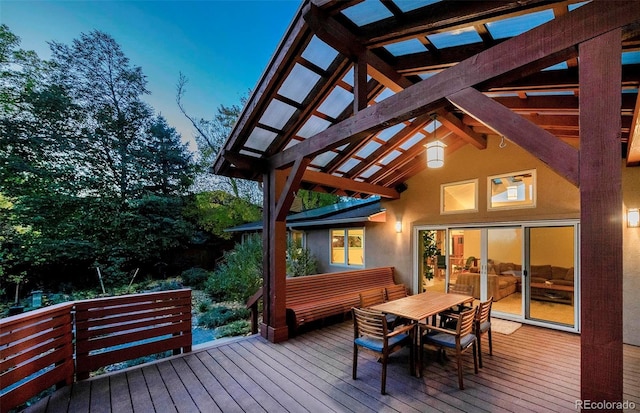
<point x="313" y="77"/>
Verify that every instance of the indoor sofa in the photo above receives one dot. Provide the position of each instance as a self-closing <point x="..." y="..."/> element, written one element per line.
<point x="503" y="279"/>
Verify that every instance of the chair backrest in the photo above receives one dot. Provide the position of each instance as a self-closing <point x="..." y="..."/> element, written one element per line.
<point x="395" y="292"/>
<point x="465" y="322"/>
<point x="466" y="289"/>
<point x="371" y="297"/>
<point x="484" y="311"/>
<point x="369" y="323"/>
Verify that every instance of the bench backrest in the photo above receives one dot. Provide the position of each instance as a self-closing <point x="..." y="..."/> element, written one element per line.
<point x="318" y="287"/>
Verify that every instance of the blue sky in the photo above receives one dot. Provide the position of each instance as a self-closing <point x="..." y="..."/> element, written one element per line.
<point x="222" y="47"/>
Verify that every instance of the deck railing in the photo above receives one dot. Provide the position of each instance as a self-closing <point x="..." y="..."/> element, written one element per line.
<point x="38" y="347"/>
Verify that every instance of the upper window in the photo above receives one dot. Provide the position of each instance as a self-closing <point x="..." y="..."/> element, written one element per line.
<point x="459" y="197"/>
<point x="514" y="190"/>
<point x="347" y="247"/>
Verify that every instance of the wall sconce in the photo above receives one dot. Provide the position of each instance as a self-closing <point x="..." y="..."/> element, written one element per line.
<point x="435" y="149"/>
<point x="398" y="226"/>
<point x="633" y="218"/>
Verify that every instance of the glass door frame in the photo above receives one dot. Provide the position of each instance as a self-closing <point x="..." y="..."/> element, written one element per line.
<point x="524" y="225"/>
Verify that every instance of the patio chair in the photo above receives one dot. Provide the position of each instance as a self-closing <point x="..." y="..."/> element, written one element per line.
<point x="371" y="333"/>
<point x="375" y="296"/>
<point x="483" y="325"/>
<point x="465" y="289"/>
<point x="460" y="339"/>
<point x="395" y="292"/>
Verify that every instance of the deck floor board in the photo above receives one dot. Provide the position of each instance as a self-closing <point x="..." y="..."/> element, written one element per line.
<point x="534" y="369"/>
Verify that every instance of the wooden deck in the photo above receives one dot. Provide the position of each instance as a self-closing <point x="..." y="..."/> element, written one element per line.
<point x="533" y="369"/>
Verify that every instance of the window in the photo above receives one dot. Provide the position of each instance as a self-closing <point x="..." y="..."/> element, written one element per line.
<point x="459" y="197"/>
<point x="297" y="239"/>
<point x="347" y="247"/>
<point x="514" y="190"/>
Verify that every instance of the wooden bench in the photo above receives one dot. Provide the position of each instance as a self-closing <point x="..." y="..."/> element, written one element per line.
<point x="315" y="297"/>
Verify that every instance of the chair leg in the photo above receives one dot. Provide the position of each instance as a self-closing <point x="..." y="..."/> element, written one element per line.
<point x="475" y="359"/>
<point x="479" y="336"/>
<point x="383" y="384"/>
<point x="459" y="358"/>
<point x="490" y="342"/>
<point x="355" y="361"/>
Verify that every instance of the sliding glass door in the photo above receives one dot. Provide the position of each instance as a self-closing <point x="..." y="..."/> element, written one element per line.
<point x="528" y="268"/>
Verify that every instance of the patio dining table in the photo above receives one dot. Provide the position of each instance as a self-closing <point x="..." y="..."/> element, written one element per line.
<point x="422" y="306"/>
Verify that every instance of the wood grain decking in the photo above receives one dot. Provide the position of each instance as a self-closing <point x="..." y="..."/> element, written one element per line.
<point x="533" y="369"/>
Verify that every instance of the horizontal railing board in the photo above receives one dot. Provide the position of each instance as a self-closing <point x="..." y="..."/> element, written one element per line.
<point x="94" y="362"/>
<point x="107" y="302"/>
<point x="16" y="330"/>
<point x="104" y="313"/>
<point x="52" y="357"/>
<point x="96" y="343"/>
<point x="119" y="326"/>
<point x="14" y="358"/>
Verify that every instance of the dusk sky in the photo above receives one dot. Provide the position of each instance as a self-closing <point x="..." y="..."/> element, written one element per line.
<point x="221" y="46"/>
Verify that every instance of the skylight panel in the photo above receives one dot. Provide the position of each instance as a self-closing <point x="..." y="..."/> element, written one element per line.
<point x="389" y="158"/>
<point x="312" y="126"/>
<point x="319" y="53"/>
<point x="412" y="141"/>
<point x="368" y="11"/>
<point x="336" y="102"/>
<point x="348" y="78"/>
<point x="347" y="166"/>
<point x="405" y="47"/>
<point x="370" y="171"/>
<point x="572" y="7"/>
<point x="427" y="75"/>
<point x="630" y="58"/>
<point x="277" y="114"/>
<point x="324" y="158"/>
<point x="368" y="149"/>
<point x="299" y="83"/>
<point x="517" y="25"/>
<point x="389" y="132"/>
<point x="406" y="6"/>
<point x="558" y="66"/>
<point x="260" y="139"/>
<point x="455" y="38"/>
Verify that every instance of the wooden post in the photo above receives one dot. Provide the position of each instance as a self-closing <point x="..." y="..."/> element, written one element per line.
<point x="274" y="245"/>
<point x="600" y="217"/>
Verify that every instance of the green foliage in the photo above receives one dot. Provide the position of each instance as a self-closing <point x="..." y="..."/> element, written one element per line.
<point x="221" y="315"/>
<point x="429" y="252"/>
<point x="312" y="199"/>
<point x="195" y="277"/>
<point x="240" y="274"/>
<point x="216" y="211"/>
<point x="300" y="261"/>
<point x="234" y="329"/>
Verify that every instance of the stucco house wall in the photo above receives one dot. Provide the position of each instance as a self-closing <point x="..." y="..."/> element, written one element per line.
<point x="420" y="205"/>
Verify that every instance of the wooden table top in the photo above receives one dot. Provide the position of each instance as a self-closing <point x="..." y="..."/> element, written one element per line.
<point x="420" y="306"/>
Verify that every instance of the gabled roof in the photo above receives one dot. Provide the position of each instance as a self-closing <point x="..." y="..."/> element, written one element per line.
<point x="349" y="212"/>
<point x="340" y="59"/>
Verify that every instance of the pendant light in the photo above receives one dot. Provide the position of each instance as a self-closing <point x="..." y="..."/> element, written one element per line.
<point x="435" y="149"/>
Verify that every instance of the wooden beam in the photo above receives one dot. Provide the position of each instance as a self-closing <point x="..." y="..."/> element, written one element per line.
<point x="360" y="85"/>
<point x="560" y="156"/>
<point x="347" y="184"/>
<point x="455" y="125"/>
<point x="633" y="147"/>
<point x="565" y="32"/>
<point x="601" y="221"/>
<point x="287" y="194"/>
<point x="245" y="162"/>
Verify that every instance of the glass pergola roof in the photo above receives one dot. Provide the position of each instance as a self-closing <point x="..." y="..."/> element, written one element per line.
<point x="317" y="91"/>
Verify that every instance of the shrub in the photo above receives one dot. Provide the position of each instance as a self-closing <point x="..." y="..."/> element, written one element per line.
<point x="221" y="315"/>
<point x="195" y="277"/>
<point x="300" y="261"/>
<point x="234" y="329"/>
<point x="239" y="275"/>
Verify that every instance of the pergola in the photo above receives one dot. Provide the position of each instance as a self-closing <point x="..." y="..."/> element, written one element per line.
<point x="357" y="88"/>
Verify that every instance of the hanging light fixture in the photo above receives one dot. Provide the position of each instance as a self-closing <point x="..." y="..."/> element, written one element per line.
<point x="435" y="149"/>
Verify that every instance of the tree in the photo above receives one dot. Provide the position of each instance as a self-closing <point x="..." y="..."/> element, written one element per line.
<point x="211" y="136"/>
